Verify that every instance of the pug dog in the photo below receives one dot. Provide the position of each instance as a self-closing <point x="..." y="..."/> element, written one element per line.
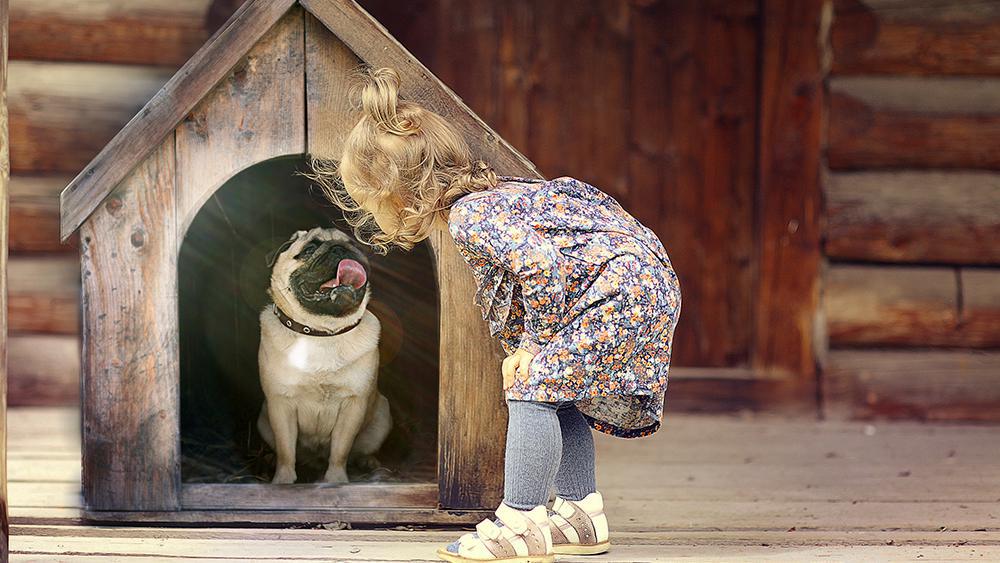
<point x="319" y="356"/>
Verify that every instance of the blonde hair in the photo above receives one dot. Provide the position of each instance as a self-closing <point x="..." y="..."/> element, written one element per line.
<point x="402" y="154"/>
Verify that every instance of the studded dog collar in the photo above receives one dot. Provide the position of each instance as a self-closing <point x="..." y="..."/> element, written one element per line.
<point x="300" y="328"/>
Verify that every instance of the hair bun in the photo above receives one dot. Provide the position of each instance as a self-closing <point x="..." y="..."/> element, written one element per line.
<point x="380" y="101"/>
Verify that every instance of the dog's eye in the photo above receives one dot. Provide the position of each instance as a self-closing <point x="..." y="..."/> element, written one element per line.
<point x="308" y="250"/>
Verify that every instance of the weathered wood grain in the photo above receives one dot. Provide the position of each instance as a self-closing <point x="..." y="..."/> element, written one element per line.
<point x="912" y="306"/>
<point x="329" y="65"/>
<point x="43" y="294"/>
<point x="472" y="414"/>
<point x="789" y="192"/>
<point x="63" y="113"/>
<point x="374" y="45"/>
<point x="166" y="109"/>
<point x="924" y="384"/>
<point x="308" y="496"/>
<point x="692" y="145"/>
<point x="890" y="305"/>
<point x="955" y="37"/>
<point x="979" y="318"/>
<point x="864" y="137"/>
<point x="153" y="32"/>
<point x="43" y="370"/>
<point x="918" y="217"/>
<point x="4" y="226"/>
<point x="130" y="357"/>
<point x="256" y="112"/>
<point x="34" y="215"/>
<point x="855" y="483"/>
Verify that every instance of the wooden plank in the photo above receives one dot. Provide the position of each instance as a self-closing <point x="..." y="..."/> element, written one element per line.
<point x="593" y="145"/>
<point x="788" y="202"/>
<point x="979" y="314"/>
<point x="927" y="385"/>
<point x="472" y="424"/>
<point x="894" y="305"/>
<point x="757" y="477"/>
<point x="130" y="358"/>
<point x="973" y="95"/>
<point x="657" y="538"/>
<point x="693" y="152"/>
<point x="34" y="215"/>
<point x="693" y="547"/>
<point x="43" y="370"/>
<point x="308" y="496"/>
<point x="329" y="64"/>
<point x="906" y="216"/>
<point x="166" y="109"/>
<point x="151" y="32"/>
<point x="4" y="227"/>
<point x="44" y="294"/>
<point x="155" y="32"/>
<point x="910" y="306"/>
<point x="61" y="114"/>
<point x="954" y="37"/>
<point x="373" y="44"/>
<point x="266" y="91"/>
<point x="861" y="136"/>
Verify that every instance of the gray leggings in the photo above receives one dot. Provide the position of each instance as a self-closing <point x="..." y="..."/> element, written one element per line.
<point x="547" y="443"/>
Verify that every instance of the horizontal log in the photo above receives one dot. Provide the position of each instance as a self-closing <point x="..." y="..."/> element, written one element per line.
<point x="954" y="37"/>
<point x="861" y="136"/>
<point x="922" y="384"/>
<point x="879" y="305"/>
<point x="939" y="217"/>
<point x="153" y="32"/>
<point x="908" y="306"/>
<point x="43" y="294"/>
<point x="980" y="311"/>
<point x="43" y="370"/>
<point x="34" y="215"/>
<point x="62" y="114"/>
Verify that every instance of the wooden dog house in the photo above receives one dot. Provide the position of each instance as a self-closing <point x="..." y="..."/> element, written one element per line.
<point x="269" y="88"/>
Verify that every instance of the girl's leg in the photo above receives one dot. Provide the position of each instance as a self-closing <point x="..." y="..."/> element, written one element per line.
<point x="575" y="477"/>
<point x="534" y="446"/>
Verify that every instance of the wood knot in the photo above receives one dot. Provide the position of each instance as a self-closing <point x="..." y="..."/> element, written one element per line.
<point x="113" y="204"/>
<point x="138" y="238"/>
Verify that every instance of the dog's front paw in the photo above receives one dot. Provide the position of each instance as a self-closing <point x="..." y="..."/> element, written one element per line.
<point x="335" y="475"/>
<point x="284" y="476"/>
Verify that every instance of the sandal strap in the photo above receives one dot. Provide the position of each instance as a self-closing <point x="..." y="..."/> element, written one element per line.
<point x="513" y="519"/>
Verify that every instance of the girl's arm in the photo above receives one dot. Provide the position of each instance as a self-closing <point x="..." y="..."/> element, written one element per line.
<point x="491" y="225"/>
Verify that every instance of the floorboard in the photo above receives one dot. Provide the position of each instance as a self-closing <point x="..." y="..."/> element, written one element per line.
<point x="705" y="488"/>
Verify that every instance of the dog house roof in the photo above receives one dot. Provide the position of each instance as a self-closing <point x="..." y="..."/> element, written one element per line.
<point x="368" y="39"/>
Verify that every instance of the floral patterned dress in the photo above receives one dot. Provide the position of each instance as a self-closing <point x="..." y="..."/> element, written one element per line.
<point x="564" y="272"/>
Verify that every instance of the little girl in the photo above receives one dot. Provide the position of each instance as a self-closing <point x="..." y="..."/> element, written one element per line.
<point x="582" y="297"/>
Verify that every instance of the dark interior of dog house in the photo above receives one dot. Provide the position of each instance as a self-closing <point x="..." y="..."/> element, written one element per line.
<point x="223" y="276"/>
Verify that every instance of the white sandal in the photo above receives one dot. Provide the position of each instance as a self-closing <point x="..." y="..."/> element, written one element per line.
<point x="579" y="527"/>
<point x="516" y="536"/>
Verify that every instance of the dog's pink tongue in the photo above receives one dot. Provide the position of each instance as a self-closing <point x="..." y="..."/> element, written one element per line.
<point x="348" y="272"/>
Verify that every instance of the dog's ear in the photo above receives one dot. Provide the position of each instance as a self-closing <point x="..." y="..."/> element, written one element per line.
<point x="272" y="256"/>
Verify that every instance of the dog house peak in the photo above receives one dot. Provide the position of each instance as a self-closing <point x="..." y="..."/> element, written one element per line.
<point x="269" y="86"/>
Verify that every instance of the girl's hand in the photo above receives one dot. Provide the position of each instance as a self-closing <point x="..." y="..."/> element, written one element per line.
<point x="515" y="367"/>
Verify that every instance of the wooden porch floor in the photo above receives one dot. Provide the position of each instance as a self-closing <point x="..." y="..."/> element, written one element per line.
<point x="705" y="488"/>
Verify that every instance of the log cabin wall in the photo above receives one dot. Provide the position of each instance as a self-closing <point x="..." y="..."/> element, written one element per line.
<point x="78" y="72"/>
<point x="658" y="103"/>
<point x="913" y="210"/>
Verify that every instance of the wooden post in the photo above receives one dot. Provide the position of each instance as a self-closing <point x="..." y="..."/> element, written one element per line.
<point x="4" y="177"/>
<point x="788" y="206"/>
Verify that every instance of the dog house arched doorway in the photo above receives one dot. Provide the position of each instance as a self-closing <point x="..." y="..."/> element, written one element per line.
<point x="223" y="273"/>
